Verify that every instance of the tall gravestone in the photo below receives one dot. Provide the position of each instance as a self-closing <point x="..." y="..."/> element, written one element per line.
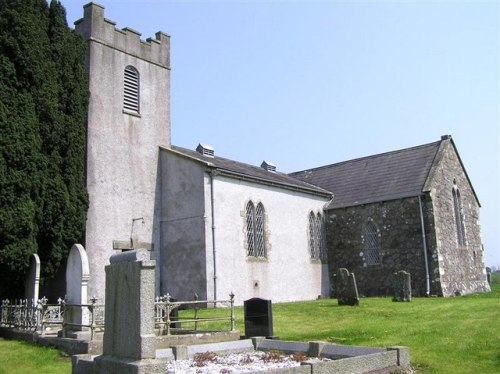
<point x="344" y="284"/>
<point x="77" y="277"/>
<point x="129" y="313"/>
<point x="129" y="338"/>
<point x="31" y="287"/>
<point x="402" y="286"/>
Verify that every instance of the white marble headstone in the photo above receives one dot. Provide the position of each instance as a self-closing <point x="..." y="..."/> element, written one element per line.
<point x="77" y="277"/>
<point x="33" y="279"/>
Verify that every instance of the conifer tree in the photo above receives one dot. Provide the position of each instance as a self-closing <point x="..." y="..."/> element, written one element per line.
<point x="43" y="100"/>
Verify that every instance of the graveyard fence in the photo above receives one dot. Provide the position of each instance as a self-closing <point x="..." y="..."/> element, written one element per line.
<point x="167" y="317"/>
<point x="20" y="313"/>
<point x="91" y="317"/>
<point x="39" y="316"/>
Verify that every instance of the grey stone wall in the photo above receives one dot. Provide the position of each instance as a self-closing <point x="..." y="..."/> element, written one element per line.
<point x="452" y="268"/>
<point x="461" y="267"/>
<point x="400" y="238"/>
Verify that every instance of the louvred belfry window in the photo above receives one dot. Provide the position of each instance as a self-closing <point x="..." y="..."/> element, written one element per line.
<point x="131" y="90"/>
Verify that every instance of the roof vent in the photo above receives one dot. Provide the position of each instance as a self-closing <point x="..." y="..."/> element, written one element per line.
<point x="205" y="150"/>
<point x="269" y="166"/>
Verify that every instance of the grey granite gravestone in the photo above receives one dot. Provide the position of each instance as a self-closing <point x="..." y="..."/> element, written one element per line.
<point x="77" y="278"/>
<point x="344" y="284"/>
<point x="129" y="311"/>
<point x="129" y="339"/>
<point x="402" y="286"/>
<point x="31" y="287"/>
<point x="258" y="317"/>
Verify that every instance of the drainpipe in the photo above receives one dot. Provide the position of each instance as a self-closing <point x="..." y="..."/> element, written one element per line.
<point x="424" y="241"/>
<point x="213" y="173"/>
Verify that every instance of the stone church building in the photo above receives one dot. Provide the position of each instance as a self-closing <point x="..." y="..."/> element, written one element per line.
<point x="217" y="226"/>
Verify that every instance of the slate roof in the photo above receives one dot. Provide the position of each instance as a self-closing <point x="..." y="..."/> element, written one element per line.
<point x="376" y="178"/>
<point x="249" y="172"/>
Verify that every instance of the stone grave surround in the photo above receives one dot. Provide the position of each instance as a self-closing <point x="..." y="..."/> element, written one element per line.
<point x="129" y="339"/>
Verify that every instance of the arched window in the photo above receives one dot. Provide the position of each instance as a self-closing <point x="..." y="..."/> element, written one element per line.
<point x="321" y="236"/>
<point x="458" y="214"/>
<point x="255" y="220"/>
<point x="371" y="245"/>
<point x="312" y="236"/>
<point x="131" y="89"/>
<point x="316" y="237"/>
<point x="259" y="231"/>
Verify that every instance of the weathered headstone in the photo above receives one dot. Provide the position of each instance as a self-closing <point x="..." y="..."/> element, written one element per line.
<point x="129" y="311"/>
<point x="129" y="339"/>
<point x="488" y="275"/>
<point x="402" y="286"/>
<point x="77" y="277"/>
<point x="32" y="284"/>
<point x="258" y="317"/>
<point x="344" y="284"/>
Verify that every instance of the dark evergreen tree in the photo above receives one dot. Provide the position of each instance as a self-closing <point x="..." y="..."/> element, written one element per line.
<point x="43" y="103"/>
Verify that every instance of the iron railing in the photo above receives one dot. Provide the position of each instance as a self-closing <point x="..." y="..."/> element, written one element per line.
<point x="166" y="321"/>
<point x="40" y="316"/>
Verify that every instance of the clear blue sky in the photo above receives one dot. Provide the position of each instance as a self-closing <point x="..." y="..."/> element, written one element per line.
<point x="304" y="84"/>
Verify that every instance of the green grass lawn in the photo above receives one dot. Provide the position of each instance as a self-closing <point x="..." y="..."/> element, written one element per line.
<point x="26" y="358"/>
<point x="445" y="335"/>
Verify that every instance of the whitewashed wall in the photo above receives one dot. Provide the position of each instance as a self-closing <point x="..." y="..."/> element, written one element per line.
<point x="122" y="155"/>
<point x="288" y="274"/>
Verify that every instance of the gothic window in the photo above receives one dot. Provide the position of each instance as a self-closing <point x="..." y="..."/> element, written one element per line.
<point x="458" y="214"/>
<point x="312" y="236"/>
<point x="316" y="238"/>
<point x="371" y="244"/>
<point x="255" y="221"/>
<point x="321" y="236"/>
<point x="131" y="90"/>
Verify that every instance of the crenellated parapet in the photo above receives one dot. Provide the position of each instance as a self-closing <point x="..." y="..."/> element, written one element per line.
<point x="93" y="26"/>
